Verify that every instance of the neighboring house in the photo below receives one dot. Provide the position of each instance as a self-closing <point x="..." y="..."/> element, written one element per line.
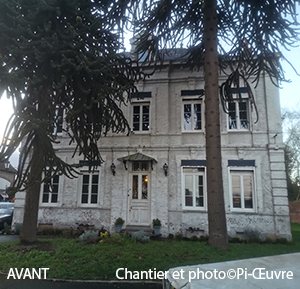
<point x="159" y="171"/>
<point x="7" y="176"/>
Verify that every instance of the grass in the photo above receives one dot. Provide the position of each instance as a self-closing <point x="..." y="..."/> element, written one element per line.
<point x="71" y="259"/>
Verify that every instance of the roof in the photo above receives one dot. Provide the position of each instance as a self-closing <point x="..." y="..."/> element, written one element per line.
<point x="137" y="157"/>
<point x="10" y="169"/>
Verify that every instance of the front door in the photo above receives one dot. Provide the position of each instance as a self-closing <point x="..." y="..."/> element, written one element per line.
<point x="139" y="194"/>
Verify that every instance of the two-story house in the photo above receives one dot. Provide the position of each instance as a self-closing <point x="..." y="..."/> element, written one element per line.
<point x="159" y="170"/>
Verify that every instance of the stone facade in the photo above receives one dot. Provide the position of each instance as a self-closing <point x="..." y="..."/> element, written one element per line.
<point x="167" y="117"/>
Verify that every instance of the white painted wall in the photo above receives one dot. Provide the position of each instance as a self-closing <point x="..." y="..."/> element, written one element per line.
<point x="168" y="144"/>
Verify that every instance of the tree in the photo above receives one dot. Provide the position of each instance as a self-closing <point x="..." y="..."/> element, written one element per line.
<point x="291" y="129"/>
<point x="60" y="56"/>
<point x="242" y="35"/>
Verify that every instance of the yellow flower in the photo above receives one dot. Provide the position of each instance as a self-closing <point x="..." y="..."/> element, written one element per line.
<point x="104" y="235"/>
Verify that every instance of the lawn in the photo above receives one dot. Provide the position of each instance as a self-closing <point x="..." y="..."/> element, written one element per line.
<point x="72" y="259"/>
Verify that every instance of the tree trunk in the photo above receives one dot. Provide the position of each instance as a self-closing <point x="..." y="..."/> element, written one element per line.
<point x="28" y="233"/>
<point x="216" y="206"/>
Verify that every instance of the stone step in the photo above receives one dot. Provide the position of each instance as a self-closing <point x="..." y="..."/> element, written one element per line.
<point x="147" y="229"/>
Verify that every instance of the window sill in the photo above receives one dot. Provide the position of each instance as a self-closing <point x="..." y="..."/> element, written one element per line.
<point x="88" y="206"/>
<point x="47" y="205"/>
<point x="193" y="131"/>
<point x="238" y="130"/>
<point x="191" y="210"/>
<point x="135" y="132"/>
<point x="243" y="211"/>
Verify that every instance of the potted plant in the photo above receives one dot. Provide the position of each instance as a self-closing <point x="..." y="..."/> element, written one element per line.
<point x="118" y="224"/>
<point x="156" y="226"/>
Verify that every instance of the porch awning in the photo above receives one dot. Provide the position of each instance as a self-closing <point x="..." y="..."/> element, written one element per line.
<point x="137" y="157"/>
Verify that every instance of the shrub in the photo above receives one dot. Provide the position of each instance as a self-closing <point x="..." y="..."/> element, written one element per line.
<point x="194" y="239"/>
<point x="171" y="236"/>
<point x="253" y="236"/>
<point x="140" y="236"/>
<point x="235" y="240"/>
<point x="203" y="238"/>
<point x="269" y="240"/>
<point x="156" y="222"/>
<point x="18" y="227"/>
<point x="178" y="237"/>
<point x="89" y="236"/>
<point x="281" y="241"/>
<point x="119" y="221"/>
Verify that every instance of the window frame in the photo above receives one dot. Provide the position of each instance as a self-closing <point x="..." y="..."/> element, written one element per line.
<point x="80" y="184"/>
<point x="192" y="101"/>
<point x="196" y="173"/>
<point x="140" y="103"/>
<point x="243" y="171"/>
<point x="236" y="100"/>
<point x="50" y="204"/>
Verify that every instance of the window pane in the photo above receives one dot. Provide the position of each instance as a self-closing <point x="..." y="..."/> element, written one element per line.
<point x="146" y="109"/>
<point x="243" y="115"/>
<point x="136" y="109"/>
<point x="144" y="187"/>
<point x="248" y="192"/>
<point x="95" y="179"/>
<point x="55" y="188"/>
<point x="188" y="190"/>
<point x="84" y="199"/>
<point x="199" y="195"/>
<point x="146" y="117"/>
<point x="197" y="116"/>
<point x="56" y="179"/>
<point x="94" y="198"/>
<point x="59" y="120"/>
<point x="236" y="191"/>
<point x="187" y="115"/>
<point x="95" y="189"/>
<point x="145" y="166"/>
<point x="46" y="188"/>
<point x="54" y="198"/>
<point x="135" y="166"/>
<point x="232" y="115"/>
<point x="85" y="189"/>
<point x="135" y="186"/>
<point x="136" y="118"/>
<point x="45" y="198"/>
<point x="85" y="179"/>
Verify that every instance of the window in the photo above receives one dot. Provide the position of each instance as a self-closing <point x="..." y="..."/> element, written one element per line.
<point x="57" y="127"/>
<point x="194" y="190"/>
<point x="50" y="191"/>
<point x="89" y="188"/>
<point x="140" y="180"/>
<point x="242" y="190"/>
<point x="192" y="115"/>
<point x="238" y="116"/>
<point x="141" y="117"/>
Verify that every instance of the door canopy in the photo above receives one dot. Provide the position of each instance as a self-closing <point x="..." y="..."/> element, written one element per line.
<point x="138" y="157"/>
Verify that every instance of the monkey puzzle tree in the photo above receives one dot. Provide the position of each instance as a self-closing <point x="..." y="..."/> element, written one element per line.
<point x="243" y="36"/>
<point x="60" y="56"/>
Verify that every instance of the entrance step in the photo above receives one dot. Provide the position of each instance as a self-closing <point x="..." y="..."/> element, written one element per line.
<point x="147" y="229"/>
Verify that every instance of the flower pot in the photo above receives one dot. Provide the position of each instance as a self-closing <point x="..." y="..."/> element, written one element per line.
<point x="118" y="228"/>
<point x="156" y="230"/>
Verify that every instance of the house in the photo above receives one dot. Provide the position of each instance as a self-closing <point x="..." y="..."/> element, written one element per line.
<point x="7" y="176"/>
<point x="159" y="170"/>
